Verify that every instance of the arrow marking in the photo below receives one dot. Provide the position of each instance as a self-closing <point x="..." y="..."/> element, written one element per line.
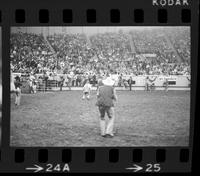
<point x="135" y="168"/>
<point x="36" y="168"/>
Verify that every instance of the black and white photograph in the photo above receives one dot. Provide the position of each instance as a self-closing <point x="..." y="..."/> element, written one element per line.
<point x="98" y="86"/>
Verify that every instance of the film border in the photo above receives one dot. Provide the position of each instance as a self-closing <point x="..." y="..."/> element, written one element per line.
<point x="79" y="18"/>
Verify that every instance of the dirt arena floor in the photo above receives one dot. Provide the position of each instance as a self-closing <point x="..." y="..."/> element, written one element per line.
<point x="63" y="119"/>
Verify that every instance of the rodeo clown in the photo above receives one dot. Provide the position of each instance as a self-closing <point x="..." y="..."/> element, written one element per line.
<point x="106" y="96"/>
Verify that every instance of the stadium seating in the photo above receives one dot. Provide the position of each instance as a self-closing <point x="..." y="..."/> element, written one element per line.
<point x="120" y="52"/>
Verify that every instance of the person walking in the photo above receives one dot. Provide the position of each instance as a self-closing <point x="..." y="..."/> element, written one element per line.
<point x="106" y="95"/>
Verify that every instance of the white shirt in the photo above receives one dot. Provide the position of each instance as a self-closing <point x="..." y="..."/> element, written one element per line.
<point x="87" y="87"/>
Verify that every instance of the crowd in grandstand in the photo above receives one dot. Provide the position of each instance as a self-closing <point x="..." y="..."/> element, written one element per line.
<point x="80" y="56"/>
<point x="29" y="53"/>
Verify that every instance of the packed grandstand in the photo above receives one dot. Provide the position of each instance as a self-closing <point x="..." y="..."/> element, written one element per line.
<point x="154" y="51"/>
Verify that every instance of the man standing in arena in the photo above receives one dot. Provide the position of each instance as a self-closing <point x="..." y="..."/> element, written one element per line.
<point x="61" y="82"/>
<point x="18" y="90"/>
<point x="12" y="84"/>
<point x="45" y="78"/>
<point x="130" y="83"/>
<point x="106" y="96"/>
<point x="68" y="79"/>
<point x="166" y="84"/>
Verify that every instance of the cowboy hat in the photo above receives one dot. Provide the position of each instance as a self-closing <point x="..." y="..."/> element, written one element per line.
<point x="108" y="81"/>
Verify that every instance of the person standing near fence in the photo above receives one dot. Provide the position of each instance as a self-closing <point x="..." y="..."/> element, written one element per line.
<point x="12" y="84"/>
<point x="130" y="83"/>
<point x="61" y="82"/>
<point x="34" y="86"/>
<point x="18" y="90"/>
<point x="166" y="84"/>
<point x="45" y="81"/>
<point x="30" y="82"/>
<point x="68" y="80"/>
<point x="106" y="96"/>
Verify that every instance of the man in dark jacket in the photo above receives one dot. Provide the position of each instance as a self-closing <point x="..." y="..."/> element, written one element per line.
<point x="106" y="96"/>
<point x="130" y="81"/>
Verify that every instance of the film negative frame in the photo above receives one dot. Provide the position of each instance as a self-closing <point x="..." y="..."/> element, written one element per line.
<point x="96" y="13"/>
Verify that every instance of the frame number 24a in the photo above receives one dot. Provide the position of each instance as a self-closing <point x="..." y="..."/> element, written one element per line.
<point x="49" y="168"/>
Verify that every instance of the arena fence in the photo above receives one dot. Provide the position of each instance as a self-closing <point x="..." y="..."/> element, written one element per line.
<point x="175" y="82"/>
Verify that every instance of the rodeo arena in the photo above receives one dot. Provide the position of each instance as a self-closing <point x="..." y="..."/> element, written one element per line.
<point x="56" y="79"/>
